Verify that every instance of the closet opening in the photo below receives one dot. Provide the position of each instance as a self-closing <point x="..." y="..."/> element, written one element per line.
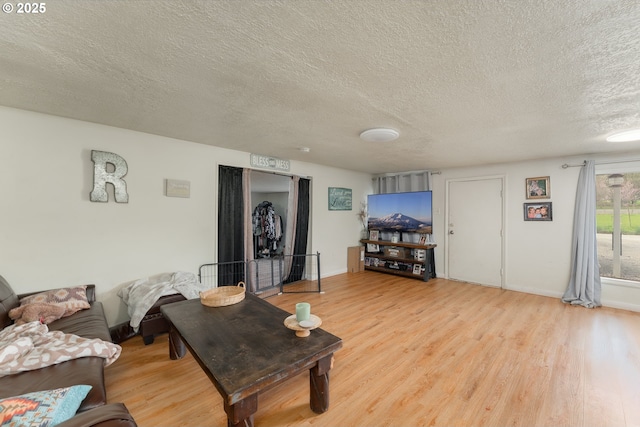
<point x="263" y="233"/>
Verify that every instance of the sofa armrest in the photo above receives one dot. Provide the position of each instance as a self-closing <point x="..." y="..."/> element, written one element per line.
<point x="111" y="415"/>
<point x="8" y="300"/>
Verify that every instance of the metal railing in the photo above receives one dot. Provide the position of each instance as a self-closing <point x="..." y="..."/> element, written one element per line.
<point x="266" y="276"/>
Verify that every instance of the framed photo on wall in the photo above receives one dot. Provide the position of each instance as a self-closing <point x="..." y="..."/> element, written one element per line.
<point x="538" y="212"/>
<point x="538" y="188"/>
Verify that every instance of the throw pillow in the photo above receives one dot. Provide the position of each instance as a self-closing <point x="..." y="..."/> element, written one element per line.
<point x="43" y="408"/>
<point x="72" y="299"/>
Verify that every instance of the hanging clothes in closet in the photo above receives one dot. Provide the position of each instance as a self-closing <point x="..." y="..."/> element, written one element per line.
<point x="267" y="230"/>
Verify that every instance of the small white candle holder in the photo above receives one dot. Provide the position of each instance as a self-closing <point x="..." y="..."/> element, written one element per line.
<point x="304" y="328"/>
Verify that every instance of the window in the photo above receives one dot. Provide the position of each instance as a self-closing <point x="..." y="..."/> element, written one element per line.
<point x="618" y="223"/>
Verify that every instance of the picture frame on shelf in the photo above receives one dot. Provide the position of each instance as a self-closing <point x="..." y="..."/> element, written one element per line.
<point x="538" y="187"/>
<point x="374" y="235"/>
<point x="417" y="269"/>
<point x="538" y="211"/>
<point x="373" y="247"/>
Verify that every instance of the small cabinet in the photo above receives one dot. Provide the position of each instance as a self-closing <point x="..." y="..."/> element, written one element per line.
<point x="403" y="259"/>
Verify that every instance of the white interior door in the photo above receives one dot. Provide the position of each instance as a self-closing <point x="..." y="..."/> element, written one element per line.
<point x="474" y="227"/>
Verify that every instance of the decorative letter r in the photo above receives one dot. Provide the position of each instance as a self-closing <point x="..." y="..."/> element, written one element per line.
<point x="101" y="177"/>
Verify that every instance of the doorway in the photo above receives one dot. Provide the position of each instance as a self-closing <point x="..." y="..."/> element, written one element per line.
<point x="474" y="237"/>
<point x="236" y="229"/>
<point x="269" y="193"/>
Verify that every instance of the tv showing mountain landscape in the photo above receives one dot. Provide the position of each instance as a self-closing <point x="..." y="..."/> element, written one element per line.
<point x="403" y="212"/>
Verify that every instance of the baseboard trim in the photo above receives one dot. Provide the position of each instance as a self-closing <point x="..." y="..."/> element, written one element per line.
<point x="552" y="294"/>
<point x="534" y="291"/>
<point x="121" y="332"/>
<point x="621" y="305"/>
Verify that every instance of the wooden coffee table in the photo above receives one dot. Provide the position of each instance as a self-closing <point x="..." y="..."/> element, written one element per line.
<point x="245" y="349"/>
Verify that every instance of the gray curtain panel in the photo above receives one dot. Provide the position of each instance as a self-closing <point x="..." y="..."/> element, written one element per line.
<point x="584" y="285"/>
<point x="402" y="182"/>
<point x="301" y="233"/>
<point x="248" y="229"/>
<point x="290" y="233"/>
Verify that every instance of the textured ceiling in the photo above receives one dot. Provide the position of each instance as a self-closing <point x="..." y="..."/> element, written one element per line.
<point x="464" y="82"/>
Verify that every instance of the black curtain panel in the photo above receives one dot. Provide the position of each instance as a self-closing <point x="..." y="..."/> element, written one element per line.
<point x="302" y="231"/>
<point x="230" y="226"/>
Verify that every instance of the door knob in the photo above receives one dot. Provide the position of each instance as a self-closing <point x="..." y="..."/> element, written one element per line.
<point x="450" y="231"/>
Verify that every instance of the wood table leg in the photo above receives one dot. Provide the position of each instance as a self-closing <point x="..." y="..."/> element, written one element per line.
<point x="240" y="414"/>
<point x="319" y="384"/>
<point x="177" y="349"/>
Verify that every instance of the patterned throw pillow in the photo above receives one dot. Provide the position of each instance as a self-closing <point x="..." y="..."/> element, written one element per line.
<point x="42" y="408"/>
<point x="72" y="299"/>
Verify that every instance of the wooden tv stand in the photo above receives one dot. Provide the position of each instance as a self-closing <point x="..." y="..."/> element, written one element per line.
<point x="399" y="259"/>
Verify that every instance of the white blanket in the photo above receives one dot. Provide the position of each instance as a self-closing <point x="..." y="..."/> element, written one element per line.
<point x="32" y="346"/>
<point x="143" y="293"/>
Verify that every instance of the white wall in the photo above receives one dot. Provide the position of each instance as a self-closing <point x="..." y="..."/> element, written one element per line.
<point x="538" y="254"/>
<point x="335" y="231"/>
<point x="53" y="236"/>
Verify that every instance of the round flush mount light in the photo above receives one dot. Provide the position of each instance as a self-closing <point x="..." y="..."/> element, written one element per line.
<point x="627" y="136"/>
<point x="379" y="135"/>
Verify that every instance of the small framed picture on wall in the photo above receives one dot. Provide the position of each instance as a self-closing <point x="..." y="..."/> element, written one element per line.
<point x="539" y="187"/>
<point x="538" y="212"/>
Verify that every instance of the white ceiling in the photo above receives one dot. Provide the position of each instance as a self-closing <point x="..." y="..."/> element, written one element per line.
<point x="464" y="82"/>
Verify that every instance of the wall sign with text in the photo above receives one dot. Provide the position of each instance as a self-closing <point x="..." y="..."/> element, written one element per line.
<point x="339" y="199"/>
<point x="273" y="163"/>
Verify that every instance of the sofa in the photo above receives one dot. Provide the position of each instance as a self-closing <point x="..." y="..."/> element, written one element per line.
<point x="86" y="323"/>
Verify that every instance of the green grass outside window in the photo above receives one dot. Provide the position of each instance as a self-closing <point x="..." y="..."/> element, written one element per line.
<point x="630" y="224"/>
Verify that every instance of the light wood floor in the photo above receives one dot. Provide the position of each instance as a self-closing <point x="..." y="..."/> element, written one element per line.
<point x="440" y="353"/>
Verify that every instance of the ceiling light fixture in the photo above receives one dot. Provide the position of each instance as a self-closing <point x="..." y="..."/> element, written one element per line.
<point x="627" y="136"/>
<point x="305" y="149"/>
<point x="379" y="135"/>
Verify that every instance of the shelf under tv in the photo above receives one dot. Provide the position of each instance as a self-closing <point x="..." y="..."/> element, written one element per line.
<point x="428" y="263"/>
<point x="400" y="244"/>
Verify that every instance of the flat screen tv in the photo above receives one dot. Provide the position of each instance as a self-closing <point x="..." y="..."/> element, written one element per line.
<point x="403" y="212"/>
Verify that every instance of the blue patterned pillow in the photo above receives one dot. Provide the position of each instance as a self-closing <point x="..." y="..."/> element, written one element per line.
<point x="42" y="408"/>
